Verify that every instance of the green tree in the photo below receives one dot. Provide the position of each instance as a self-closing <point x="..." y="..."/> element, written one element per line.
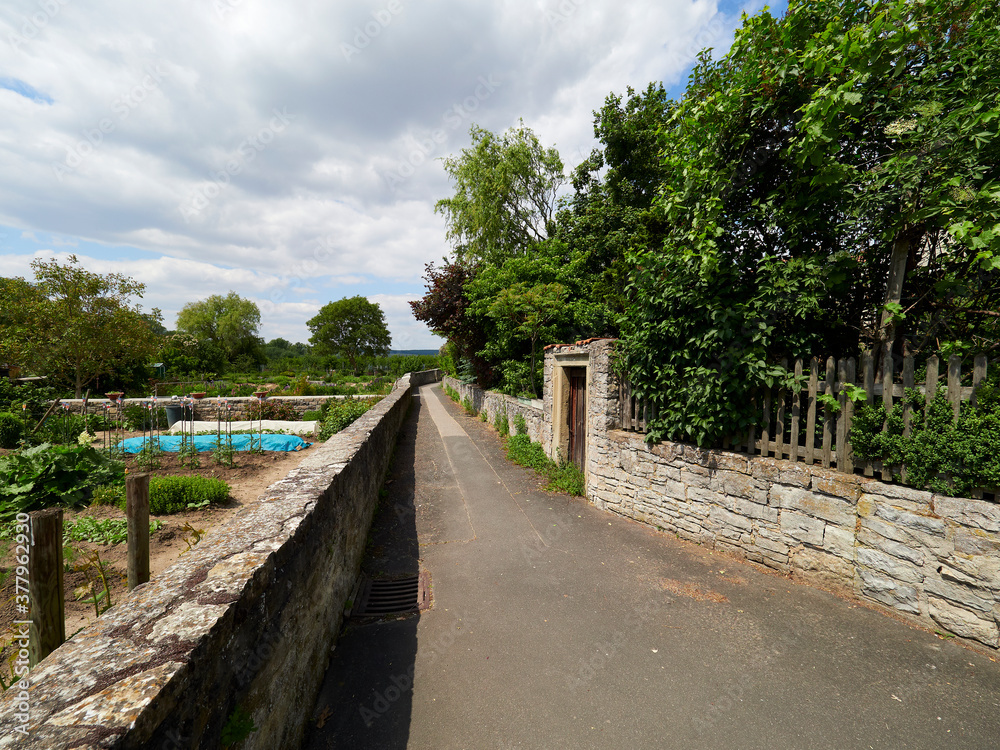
<point x="74" y="325"/>
<point x="534" y="311"/>
<point x="230" y="323"/>
<point x="505" y="194"/>
<point x="351" y="328"/>
<point x="829" y="185"/>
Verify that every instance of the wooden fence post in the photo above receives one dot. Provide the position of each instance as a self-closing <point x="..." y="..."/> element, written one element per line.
<point x="137" y="512"/>
<point x="955" y="384"/>
<point x="810" y="454"/>
<point x="793" y="438"/>
<point x="47" y="630"/>
<point x="827" y="414"/>
<point x="868" y="383"/>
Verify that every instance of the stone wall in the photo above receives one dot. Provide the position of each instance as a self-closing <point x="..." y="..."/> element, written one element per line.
<point x="246" y="620"/>
<point x="494" y="403"/>
<point x="207" y="409"/>
<point x="926" y="556"/>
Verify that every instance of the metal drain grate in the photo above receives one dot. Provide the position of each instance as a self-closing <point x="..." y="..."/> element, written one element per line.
<point x="377" y="597"/>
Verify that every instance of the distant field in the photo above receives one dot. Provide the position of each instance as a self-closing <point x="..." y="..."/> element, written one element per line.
<point x="411" y="352"/>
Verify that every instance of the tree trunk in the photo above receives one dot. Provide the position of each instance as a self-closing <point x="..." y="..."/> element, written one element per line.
<point x="886" y="335"/>
<point x="79" y="385"/>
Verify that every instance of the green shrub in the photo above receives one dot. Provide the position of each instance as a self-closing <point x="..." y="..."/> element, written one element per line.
<point x="138" y="417"/>
<point x="176" y="494"/>
<point x="108" y="494"/>
<point x="340" y="415"/>
<point x="469" y="408"/>
<point x="566" y="477"/>
<point x="563" y="477"/>
<point x="522" y="451"/>
<point x="940" y="454"/>
<point x="267" y="409"/>
<point x="61" y="428"/>
<point x="520" y="426"/>
<point x="170" y="494"/>
<point x="303" y="387"/>
<point x="11" y="430"/>
<point x="312" y="416"/>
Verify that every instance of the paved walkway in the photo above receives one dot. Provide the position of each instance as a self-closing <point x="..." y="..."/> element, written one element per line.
<point x="555" y="625"/>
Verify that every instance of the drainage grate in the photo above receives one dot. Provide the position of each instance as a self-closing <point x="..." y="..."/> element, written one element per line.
<point x="378" y="597"/>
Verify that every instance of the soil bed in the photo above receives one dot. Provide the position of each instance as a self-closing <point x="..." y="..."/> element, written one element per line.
<point x="248" y="478"/>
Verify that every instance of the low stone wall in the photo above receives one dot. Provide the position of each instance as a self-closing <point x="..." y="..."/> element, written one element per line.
<point x="245" y="621"/>
<point x="927" y="556"/>
<point x="494" y="403"/>
<point x="207" y="409"/>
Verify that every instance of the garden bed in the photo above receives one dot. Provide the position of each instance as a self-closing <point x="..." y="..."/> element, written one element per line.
<point x="247" y="480"/>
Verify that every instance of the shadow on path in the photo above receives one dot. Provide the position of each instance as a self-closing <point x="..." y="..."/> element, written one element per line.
<point x="365" y="700"/>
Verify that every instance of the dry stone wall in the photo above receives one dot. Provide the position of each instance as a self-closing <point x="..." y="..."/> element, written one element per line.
<point x="246" y="620"/>
<point x="927" y="556"/>
<point x="207" y="409"/>
<point x="494" y="403"/>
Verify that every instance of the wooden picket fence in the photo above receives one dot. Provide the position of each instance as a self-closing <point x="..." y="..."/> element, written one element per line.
<point x="824" y="438"/>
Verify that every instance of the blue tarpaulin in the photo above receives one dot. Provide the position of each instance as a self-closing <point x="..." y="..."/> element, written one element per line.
<point x="204" y="443"/>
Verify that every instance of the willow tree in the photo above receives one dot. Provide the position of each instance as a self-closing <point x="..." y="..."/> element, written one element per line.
<point x="505" y="195"/>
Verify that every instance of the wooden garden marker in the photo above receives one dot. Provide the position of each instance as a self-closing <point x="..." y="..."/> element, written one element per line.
<point x="47" y="630"/>
<point x="137" y="512"/>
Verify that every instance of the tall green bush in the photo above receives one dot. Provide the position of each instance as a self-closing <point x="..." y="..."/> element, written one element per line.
<point x="11" y="430"/>
<point x="940" y="454"/>
<point x="340" y="415"/>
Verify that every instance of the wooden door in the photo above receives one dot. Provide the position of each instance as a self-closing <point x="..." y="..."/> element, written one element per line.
<point x="577" y="416"/>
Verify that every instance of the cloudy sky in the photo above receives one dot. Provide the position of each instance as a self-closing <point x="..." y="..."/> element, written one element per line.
<point x="291" y="151"/>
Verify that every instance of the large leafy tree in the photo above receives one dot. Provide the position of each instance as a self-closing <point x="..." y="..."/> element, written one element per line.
<point x="830" y="184"/>
<point x="351" y="328"/>
<point x="506" y="188"/>
<point x="231" y="323"/>
<point x="74" y="325"/>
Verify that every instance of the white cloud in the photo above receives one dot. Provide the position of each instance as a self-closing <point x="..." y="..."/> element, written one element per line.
<point x="241" y="144"/>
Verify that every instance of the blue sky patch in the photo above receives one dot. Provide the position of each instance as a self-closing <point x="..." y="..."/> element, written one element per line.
<point x="24" y="89"/>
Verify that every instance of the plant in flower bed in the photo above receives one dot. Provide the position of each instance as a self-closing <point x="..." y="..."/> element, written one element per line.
<point x="62" y="428"/>
<point x="267" y="409"/>
<point x="101" y="531"/>
<point x="138" y="417"/>
<point x="11" y="430"/>
<point x="172" y="494"/>
<point x="46" y="475"/>
<point x="339" y="415"/>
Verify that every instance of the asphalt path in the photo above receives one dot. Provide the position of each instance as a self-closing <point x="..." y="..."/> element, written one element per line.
<point x="557" y="625"/>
